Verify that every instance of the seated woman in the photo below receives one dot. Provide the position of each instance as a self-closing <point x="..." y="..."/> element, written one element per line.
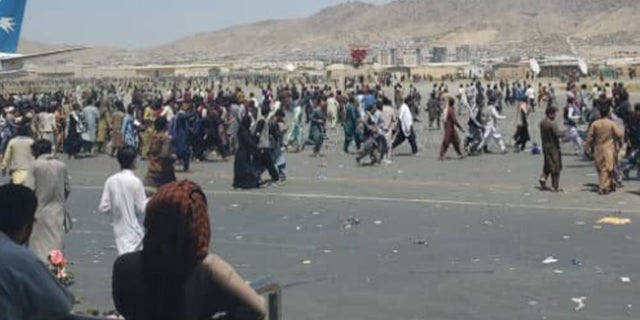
<point x="174" y="276"/>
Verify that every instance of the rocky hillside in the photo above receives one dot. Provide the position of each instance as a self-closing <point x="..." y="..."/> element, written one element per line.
<point x="507" y="27"/>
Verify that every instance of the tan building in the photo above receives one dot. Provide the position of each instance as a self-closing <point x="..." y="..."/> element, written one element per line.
<point x="510" y="70"/>
<point x="439" y="71"/>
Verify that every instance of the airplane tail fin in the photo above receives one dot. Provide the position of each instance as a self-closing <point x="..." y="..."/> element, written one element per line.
<point x="11" y="14"/>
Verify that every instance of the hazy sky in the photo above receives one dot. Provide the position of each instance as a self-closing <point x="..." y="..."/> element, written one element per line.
<point x="141" y="23"/>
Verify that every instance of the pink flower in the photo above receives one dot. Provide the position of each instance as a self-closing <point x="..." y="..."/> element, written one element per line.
<point x="57" y="258"/>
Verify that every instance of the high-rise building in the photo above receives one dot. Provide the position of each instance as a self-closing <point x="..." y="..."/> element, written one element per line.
<point x="387" y="57"/>
<point x="463" y="53"/>
<point x="439" y="54"/>
<point x="412" y="57"/>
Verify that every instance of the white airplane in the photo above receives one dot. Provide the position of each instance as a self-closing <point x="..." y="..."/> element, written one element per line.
<point x="11" y="15"/>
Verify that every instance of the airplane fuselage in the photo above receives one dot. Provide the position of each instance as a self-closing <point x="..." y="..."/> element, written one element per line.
<point x="9" y="65"/>
<point x="11" y="15"/>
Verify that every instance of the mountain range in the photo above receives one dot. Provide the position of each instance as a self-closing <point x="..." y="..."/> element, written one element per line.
<point x="590" y="28"/>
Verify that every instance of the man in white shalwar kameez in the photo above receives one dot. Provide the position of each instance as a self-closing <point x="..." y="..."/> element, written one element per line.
<point x="49" y="179"/>
<point x="125" y="200"/>
<point x="571" y="118"/>
<point x="491" y="130"/>
<point x="332" y="111"/>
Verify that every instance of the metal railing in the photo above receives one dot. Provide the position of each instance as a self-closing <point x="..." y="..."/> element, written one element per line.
<point x="266" y="287"/>
<point x="272" y="292"/>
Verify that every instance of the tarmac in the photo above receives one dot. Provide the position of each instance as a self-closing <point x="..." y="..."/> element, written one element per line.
<point x="417" y="239"/>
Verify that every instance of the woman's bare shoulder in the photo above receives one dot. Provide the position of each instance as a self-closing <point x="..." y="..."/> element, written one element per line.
<point x="216" y="266"/>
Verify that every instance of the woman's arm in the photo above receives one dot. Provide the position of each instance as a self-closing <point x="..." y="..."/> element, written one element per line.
<point x="224" y="275"/>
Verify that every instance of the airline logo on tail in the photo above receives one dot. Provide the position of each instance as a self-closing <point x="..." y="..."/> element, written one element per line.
<point x="7" y="24"/>
<point x="11" y="14"/>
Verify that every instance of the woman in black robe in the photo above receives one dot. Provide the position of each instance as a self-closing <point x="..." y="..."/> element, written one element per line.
<point x="73" y="142"/>
<point x="522" y="130"/>
<point x="244" y="172"/>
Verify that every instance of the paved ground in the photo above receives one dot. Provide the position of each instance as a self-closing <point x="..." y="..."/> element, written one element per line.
<point x="437" y="240"/>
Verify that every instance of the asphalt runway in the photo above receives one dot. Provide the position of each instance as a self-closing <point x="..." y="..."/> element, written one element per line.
<point x="461" y="239"/>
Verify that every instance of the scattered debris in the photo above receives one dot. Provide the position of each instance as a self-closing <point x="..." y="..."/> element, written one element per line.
<point x="549" y="260"/>
<point x="616" y="221"/>
<point x="420" y="242"/>
<point x="488" y="223"/>
<point x="580" y="301"/>
<point x="351" y="221"/>
<point x="625" y="279"/>
<point x="580" y="223"/>
<point x="597" y="227"/>
<point x="450" y="271"/>
<point x="527" y="194"/>
<point x="628" y="237"/>
<point x="576" y="262"/>
<point x="598" y="269"/>
<point x="319" y="226"/>
<point x="400" y="172"/>
<point x="327" y="251"/>
<point x="558" y="271"/>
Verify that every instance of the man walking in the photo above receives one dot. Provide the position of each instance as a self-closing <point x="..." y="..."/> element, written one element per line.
<point x="124" y="198"/>
<point x="89" y="136"/>
<point x="491" y="130"/>
<point x="49" y="179"/>
<point x="604" y="134"/>
<point x="18" y="157"/>
<point x="450" y="133"/>
<point x="550" y="137"/>
<point x="160" y="170"/>
<point x="406" y="128"/>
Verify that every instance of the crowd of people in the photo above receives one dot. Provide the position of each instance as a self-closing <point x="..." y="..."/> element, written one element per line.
<point x="171" y="125"/>
<point x="163" y="240"/>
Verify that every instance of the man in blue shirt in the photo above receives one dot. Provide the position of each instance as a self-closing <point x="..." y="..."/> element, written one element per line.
<point x="28" y="290"/>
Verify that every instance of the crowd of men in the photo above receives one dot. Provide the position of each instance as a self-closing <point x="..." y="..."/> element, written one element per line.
<point x="168" y="124"/>
<point x="174" y="126"/>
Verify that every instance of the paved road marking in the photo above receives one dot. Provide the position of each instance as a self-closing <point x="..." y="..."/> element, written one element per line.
<point x="216" y="241"/>
<point x="400" y="200"/>
<point x="378" y="181"/>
